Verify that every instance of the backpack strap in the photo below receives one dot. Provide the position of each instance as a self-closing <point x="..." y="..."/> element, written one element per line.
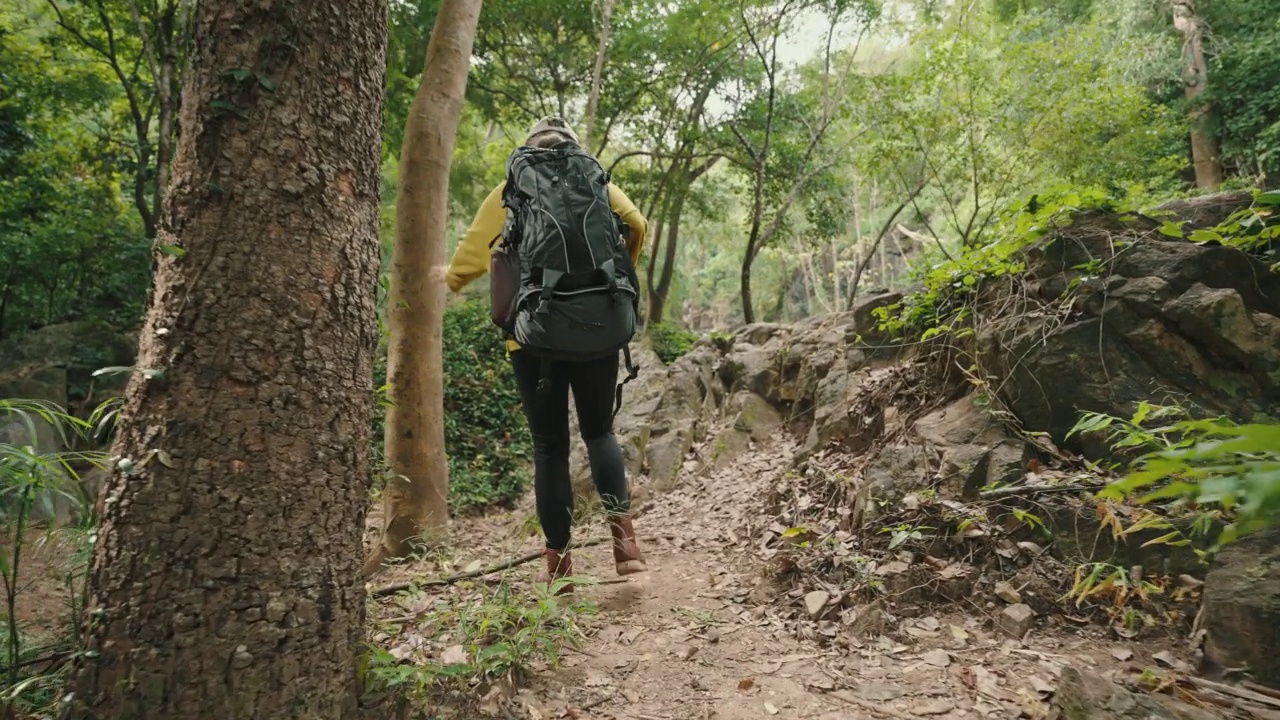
<point x="632" y="373"/>
<point x="550" y="278"/>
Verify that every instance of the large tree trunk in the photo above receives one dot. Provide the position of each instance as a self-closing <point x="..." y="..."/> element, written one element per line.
<point x="416" y="498"/>
<point x="1204" y="146"/>
<point x="226" y="579"/>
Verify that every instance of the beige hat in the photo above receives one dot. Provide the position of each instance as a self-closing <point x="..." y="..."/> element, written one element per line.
<point x="549" y="131"/>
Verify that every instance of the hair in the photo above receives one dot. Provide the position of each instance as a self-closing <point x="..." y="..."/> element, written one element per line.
<point x="548" y="139"/>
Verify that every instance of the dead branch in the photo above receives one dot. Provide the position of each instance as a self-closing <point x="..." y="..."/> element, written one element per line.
<point x="1016" y="490"/>
<point x="394" y="588"/>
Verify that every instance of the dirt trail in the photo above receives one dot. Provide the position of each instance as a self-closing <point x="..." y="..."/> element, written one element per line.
<point x="672" y="643"/>
<point x="687" y="641"/>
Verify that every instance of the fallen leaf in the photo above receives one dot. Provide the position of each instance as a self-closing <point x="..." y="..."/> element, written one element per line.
<point x="937" y="658"/>
<point x="937" y="707"/>
<point x="1041" y="686"/>
<point x="746" y="683"/>
<point x="455" y="655"/>
<point x="959" y="633"/>
<point x="929" y="623"/>
<point x="687" y="652"/>
<point x="1164" y="657"/>
<point x="474" y="566"/>
<point x="1122" y="654"/>
<point x="879" y="692"/>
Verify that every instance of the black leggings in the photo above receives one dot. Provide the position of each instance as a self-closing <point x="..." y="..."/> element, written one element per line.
<point x="593" y="386"/>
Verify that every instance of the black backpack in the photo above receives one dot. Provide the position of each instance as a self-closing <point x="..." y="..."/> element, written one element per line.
<point x="564" y="287"/>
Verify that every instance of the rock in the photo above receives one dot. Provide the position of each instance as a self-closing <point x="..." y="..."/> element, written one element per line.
<point x="1241" y="607"/>
<point x="815" y="603"/>
<point x="933" y="707"/>
<point x="1201" y="322"/>
<point x="1083" y="695"/>
<point x="1008" y="593"/>
<point x="896" y="579"/>
<point x="754" y="415"/>
<point x="894" y="471"/>
<point x="1015" y="620"/>
<point x="974" y="448"/>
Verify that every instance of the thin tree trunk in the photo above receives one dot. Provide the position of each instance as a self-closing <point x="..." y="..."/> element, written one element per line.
<point x="225" y="581"/>
<point x="416" y="497"/>
<point x="879" y="244"/>
<point x="658" y="299"/>
<point x="593" y="99"/>
<point x="1204" y="146"/>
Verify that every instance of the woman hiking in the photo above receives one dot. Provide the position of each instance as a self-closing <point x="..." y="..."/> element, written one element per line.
<point x="572" y="306"/>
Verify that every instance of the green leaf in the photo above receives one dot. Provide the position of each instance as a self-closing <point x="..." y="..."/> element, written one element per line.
<point x="1171" y="228"/>
<point x="172" y="250"/>
<point x="238" y="74"/>
<point x="267" y="83"/>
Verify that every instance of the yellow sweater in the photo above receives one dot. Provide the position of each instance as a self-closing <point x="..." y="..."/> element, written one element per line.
<point x="471" y="259"/>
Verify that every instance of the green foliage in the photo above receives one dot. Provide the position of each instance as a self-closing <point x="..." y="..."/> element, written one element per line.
<point x="1254" y="229"/>
<point x="1214" y="463"/>
<point x="31" y="481"/>
<point x="945" y="304"/>
<point x="480" y="642"/>
<point x="670" y="341"/>
<point x="69" y="245"/>
<point x="486" y="436"/>
<point x="1243" y="67"/>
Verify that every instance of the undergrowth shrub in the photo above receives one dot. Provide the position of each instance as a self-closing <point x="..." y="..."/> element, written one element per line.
<point x="33" y="482"/>
<point x="670" y="341"/>
<point x="1196" y="465"/>
<point x="456" y="648"/>
<point x="485" y="433"/>
<point x="486" y="438"/>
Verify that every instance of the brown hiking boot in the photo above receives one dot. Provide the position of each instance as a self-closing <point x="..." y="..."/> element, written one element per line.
<point x="558" y="565"/>
<point x="626" y="553"/>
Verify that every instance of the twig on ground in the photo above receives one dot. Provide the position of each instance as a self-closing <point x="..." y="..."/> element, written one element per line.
<point x="873" y="708"/>
<point x="394" y="588"/>
<point x="1016" y="490"/>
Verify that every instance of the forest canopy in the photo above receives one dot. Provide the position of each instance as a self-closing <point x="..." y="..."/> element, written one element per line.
<point x="775" y="146"/>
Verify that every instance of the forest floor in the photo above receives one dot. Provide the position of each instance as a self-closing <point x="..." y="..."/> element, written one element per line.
<point x="690" y="639"/>
<point x="694" y="637"/>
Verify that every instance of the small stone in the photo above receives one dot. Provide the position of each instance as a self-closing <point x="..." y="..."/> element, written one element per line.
<point x="1015" y="620"/>
<point x="937" y="658"/>
<point x="937" y="707"/>
<point x="815" y="602"/>
<point x="1008" y="593"/>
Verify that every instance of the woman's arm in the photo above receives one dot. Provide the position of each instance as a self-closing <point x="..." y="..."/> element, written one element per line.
<point x="471" y="258"/>
<point x="630" y="215"/>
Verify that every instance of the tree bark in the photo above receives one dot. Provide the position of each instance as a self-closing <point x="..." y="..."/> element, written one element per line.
<point x="225" y="582"/>
<point x="416" y="497"/>
<point x="1205" y="155"/>
<point x="593" y="99"/>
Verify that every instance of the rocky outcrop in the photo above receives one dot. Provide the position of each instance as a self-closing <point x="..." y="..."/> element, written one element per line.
<point x="1242" y="608"/>
<point x="1171" y="321"/>
<point x="728" y="392"/>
